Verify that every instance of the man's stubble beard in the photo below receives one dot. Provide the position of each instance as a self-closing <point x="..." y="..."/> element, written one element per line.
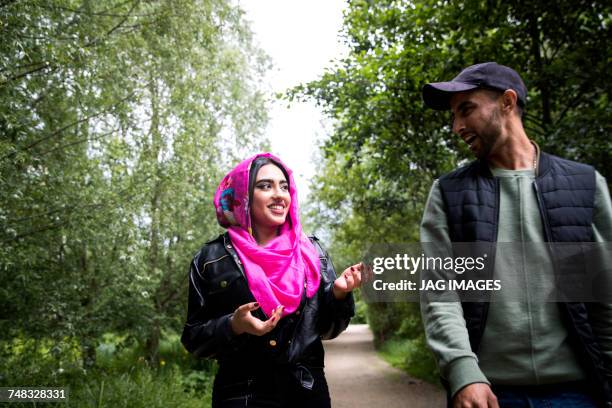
<point x="489" y="135"/>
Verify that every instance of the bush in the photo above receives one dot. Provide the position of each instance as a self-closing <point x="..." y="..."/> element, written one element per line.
<point x="412" y="356"/>
<point x="388" y="320"/>
<point x="400" y="339"/>
<point x="361" y="310"/>
<point x="142" y="387"/>
<point x="121" y="377"/>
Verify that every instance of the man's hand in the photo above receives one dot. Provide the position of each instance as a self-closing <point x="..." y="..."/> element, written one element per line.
<point x="243" y="321"/>
<point x="477" y="395"/>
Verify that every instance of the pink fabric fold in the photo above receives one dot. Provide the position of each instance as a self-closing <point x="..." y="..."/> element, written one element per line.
<point x="278" y="273"/>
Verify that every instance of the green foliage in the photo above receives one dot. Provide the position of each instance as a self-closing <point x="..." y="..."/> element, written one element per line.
<point x="388" y="320"/>
<point x="361" y="310"/>
<point x="412" y="356"/>
<point x="122" y="376"/>
<point x="117" y="121"/>
<point x="386" y="147"/>
<point x="140" y="387"/>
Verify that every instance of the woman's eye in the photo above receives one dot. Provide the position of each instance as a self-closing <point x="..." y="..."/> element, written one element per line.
<point x="285" y="187"/>
<point x="263" y="186"/>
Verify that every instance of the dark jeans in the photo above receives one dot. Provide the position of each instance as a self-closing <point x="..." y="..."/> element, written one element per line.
<point x="567" y="395"/>
<point x="268" y="387"/>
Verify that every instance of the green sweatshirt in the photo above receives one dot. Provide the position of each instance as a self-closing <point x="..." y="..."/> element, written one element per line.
<point x="523" y="342"/>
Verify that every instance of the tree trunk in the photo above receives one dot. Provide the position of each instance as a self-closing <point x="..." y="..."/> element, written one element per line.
<point x="152" y="342"/>
<point x="88" y="338"/>
<point x="542" y="82"/>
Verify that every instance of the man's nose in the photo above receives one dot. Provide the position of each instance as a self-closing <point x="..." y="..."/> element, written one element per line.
<point x="458" y="126"/>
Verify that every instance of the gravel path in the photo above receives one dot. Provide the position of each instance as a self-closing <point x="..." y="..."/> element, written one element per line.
<point x="357" y="377"/>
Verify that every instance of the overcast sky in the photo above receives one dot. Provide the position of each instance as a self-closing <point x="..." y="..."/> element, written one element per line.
<point x="301" y="37"/>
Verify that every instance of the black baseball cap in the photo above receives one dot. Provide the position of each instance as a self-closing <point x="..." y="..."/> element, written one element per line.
<point x="488" y="75"/>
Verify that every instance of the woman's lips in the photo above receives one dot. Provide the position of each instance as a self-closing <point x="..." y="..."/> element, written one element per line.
<point x="277" y="209"/>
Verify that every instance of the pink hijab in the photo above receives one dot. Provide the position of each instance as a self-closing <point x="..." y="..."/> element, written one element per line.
<point x="278" y="272"/>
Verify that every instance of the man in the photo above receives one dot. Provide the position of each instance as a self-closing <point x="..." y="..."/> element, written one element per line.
<point x="509" y="353"/>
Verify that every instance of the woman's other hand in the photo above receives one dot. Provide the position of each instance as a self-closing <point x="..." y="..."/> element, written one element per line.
<point x="243" y="321"/>
<point x="349" y="280"/>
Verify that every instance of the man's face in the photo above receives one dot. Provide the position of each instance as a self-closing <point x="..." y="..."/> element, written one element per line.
<point x="476" y="119"/>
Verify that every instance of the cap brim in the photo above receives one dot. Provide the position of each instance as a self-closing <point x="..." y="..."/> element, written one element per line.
<point x="437" y="95"/>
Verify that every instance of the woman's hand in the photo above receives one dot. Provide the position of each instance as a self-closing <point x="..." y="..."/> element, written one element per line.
<point x="349" y="280"/>
<point x="243" y="321"/>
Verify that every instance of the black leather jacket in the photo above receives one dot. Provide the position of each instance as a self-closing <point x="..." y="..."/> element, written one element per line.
<point x="217" y="286"/>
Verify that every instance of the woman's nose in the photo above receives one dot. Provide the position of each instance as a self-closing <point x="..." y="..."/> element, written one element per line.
<point x="276" y="191"/>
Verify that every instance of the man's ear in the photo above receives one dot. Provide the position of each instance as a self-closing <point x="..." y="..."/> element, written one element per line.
<point x="509" y="99"/>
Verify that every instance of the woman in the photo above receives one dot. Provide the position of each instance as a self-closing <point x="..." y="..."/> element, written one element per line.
<point x="262" y="295"/>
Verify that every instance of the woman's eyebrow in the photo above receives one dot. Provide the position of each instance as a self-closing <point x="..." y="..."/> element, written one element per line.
<point x="270" y="181"/>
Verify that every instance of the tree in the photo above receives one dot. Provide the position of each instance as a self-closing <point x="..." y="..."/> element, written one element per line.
<point x="386" y="147"/>
<point x="117" y="121"/>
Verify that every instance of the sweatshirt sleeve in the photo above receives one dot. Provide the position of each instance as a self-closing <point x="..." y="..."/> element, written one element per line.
<point x="445" y="327"/>
<point x="601" y="313"/>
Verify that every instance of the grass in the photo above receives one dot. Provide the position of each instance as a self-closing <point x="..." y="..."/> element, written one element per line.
<point x="411" y="356"/>
<point x="120" y="378"/>
<point x="141" y="387"/>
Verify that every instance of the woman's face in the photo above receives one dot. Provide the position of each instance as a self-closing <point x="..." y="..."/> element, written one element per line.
<point x="271" y="199"/>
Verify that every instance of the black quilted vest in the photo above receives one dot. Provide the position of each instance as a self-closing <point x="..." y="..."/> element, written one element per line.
<point x="566" y="193"/>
